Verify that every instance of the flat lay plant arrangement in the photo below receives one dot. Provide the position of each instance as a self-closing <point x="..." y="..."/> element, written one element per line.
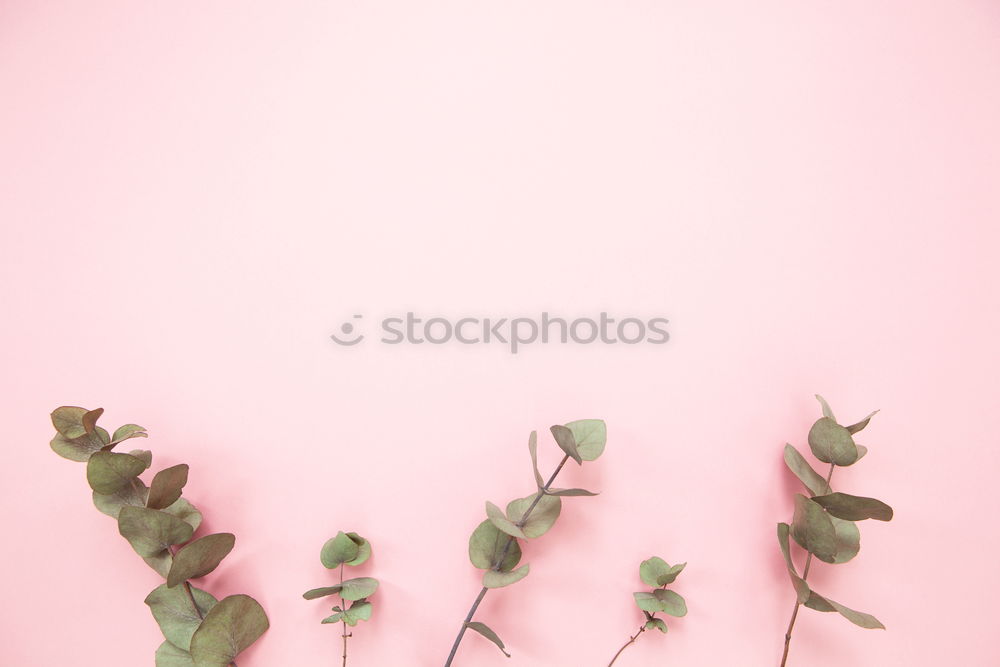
<point x="159" y="523"/>
<point x="824" y="522"/>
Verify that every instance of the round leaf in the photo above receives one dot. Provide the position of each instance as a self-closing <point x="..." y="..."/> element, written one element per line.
<point x="176" y="616"/>
<point x="151" y="532"/>
<point x="813" y="530"/>
<point x="364" y="549"/>
<point x="167" y="486"/>
<point x="108" y="472"/>
<point x="591" y="436"/>
<point x="670" y="602"/>
<point x="133" y="495"/>
<point x="230" y="627"/>
<point x="487" y="543"/>
<point x="564" y="438"/>
<point x="169" y="655"/>
<point x="200" y="557"/>
<point x="497" y="518"/>
<point x="356" y="589"/>
<point x="542" y="517"/>
<point x="832" y="443"/>
<point x="338" y="549"/>
<point x="494" y="579"/>
<point x="848" y="539"/>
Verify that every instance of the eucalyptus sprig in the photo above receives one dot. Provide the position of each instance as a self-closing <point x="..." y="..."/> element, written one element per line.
<point x="824" y="522"/>
<point x="200" y="631"/>
<point x="352" y="550"/>
<point x="494" y="545"/>
<point x="659" y="574"/>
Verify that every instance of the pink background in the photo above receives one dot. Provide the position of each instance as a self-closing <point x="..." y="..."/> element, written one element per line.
<point x="194" y="195"/>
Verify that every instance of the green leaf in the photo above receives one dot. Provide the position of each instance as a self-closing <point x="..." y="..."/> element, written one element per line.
<point x="315" y="593"/>
<point x="186" y="512"/>
<point x="89" y="420"/>
<point x="151" y="532"/>
<point x="569" y="492"/>
<point x="356" y="589"/>
<point x="647" y="602"/>
<point x="591" y="436"/>
<point x="854" y="508"/>
<point x="166" y="486"/>
<point x="160" y="562"/>
<point x="200" y="557"/>
<point x="143" y="455"/>
<point x="485" y="631"/>
<point x="813" y="530"/>
<point x="229" y="628"/>
<point x="128" y="431"/>
<point x="109" y="473"/>
<point x="68" y="421"/>
<point x="133" y="495"/>
<point x="364" y="549"/>
<point x="812" y="480"/>
<point x="862" y="450"/>
<point x="670" y="602"/>
<point x="533" y="450"/>
<point x="487" y="543"/>
<point x="861" y="619"/>
<point x="542" y="517"/>
<point x="798" y="583"/>
<point x="827" y="412"/>
<point x="338" y="549"/>
<point x="169" y="655"/>
<point x="657" y="572"/>
<point x="335" y="618"/>
<point x="494" y="579"/>
<point x="832" y="443"/>
<point x="361" y="610"/>
<point x="566" y="441"/>
<point x="848" y="540"/>
<point x="497" y="518"/>
<point x="656" y="623"/>
<point x="176" y="615"/>
<point x="854" y="428"/>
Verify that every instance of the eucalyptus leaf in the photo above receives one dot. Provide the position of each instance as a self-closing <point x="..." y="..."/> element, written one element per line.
<point x="485" y="631"/>
<point x="335" y="618"/>
<point x="487" y="543"/>
<point x="656" y="623"/>
<point x="566" y="441"/>
<point x="854" y="508"/>
<point x="339" y="549"/>
<point x="151" y="532"/>
<point x="848" y="539"/>
<point x="356" y="589"/>
<point x="186" y="512"/>
<point x="316" y="593"/>
<point x="68" y="421"/>
<point x="813" y="530"/>
<point x="231" y="626"/>
<point x="169" y="655"/>
<point x="832" y="443"/>
<point x="533" y="450"/>
<point x="143" y="455"/>
<point x="647" y="602"/>
<point x="798" y="583"/>
<point x="670" y="602"/>
<point x="569" y="492"/>
<point x="167" y="486"/>
<point x="656" y="572"/>
<point x="127" y="432"/>
<point x="854" y="428"/>
<point x="591" y="436"/>
<point x="827" y="412"/>
<point x="89" y="420"/>
<point x="364" y="549"/>
<point x="133" y="495"/>
<point x="160" y="562"/>
<point x="541" y="518"/>
<point x="79" y="450"/>
<point x="200" y="557"/>
<point x="861" y="619"/>
<point x="862" y="450"/>
<point x="109" y="473"/>
<point x="812" y="480"/>
<point x="493" y="579"/>
<point x="361" y="610"/>
<point x="176" y="615"/>
<point x="497" y="518"/>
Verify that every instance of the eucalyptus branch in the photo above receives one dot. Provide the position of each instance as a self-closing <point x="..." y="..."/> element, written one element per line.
<point x="659" y="574"/>
<point x="824" y="523"/>
<point x="352" y="550"/>
<point x="494" y="545"/>
<point x="159" y="524"/>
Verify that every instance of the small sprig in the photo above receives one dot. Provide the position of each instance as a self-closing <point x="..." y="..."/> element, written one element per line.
<point x="823" y="523"/>
<point x="659" y="574"/>
<point x="494" y="545"/>
<point x="352" y="550"/>
<point x="159" y="524"/>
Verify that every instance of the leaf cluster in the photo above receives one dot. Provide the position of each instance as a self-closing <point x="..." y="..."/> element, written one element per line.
<point x="824" y="521"/>
<point x="159" y="524"/>
<point x="347" y="549"/>
<point x="495" y="544"/>
<point x="658" y="574"/>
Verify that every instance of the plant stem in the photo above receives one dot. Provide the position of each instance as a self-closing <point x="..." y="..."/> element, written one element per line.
<point x="343" y="606"/>
<point x="631" y="640"/>
<point x="805" y="575"/>
<point x="500" y="559"/>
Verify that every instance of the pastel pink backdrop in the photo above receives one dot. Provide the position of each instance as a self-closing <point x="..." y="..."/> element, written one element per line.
<point x="194" y="195"/>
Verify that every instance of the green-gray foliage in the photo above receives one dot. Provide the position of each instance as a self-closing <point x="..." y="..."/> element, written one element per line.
<point x="159" y="524"/>
<point x="340" y="551"/>
<point x="824" y="521"/>
<point x="658" y="574"/>
<point x="494" y="545"/>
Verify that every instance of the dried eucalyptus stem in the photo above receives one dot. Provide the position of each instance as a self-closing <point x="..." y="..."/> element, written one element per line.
<point x="494" y="545"/>
<point x="352" y="550"/>
<point x="659" y="574"/>
<point x="824" y="523"/>
<point x="159" y="524"/>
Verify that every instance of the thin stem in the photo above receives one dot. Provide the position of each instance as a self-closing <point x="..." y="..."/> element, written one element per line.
<point x="631" y="640"/>
<point x="500" y="559"/>
<point x="805" y="575"/>
<point x="343" y="607"/>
